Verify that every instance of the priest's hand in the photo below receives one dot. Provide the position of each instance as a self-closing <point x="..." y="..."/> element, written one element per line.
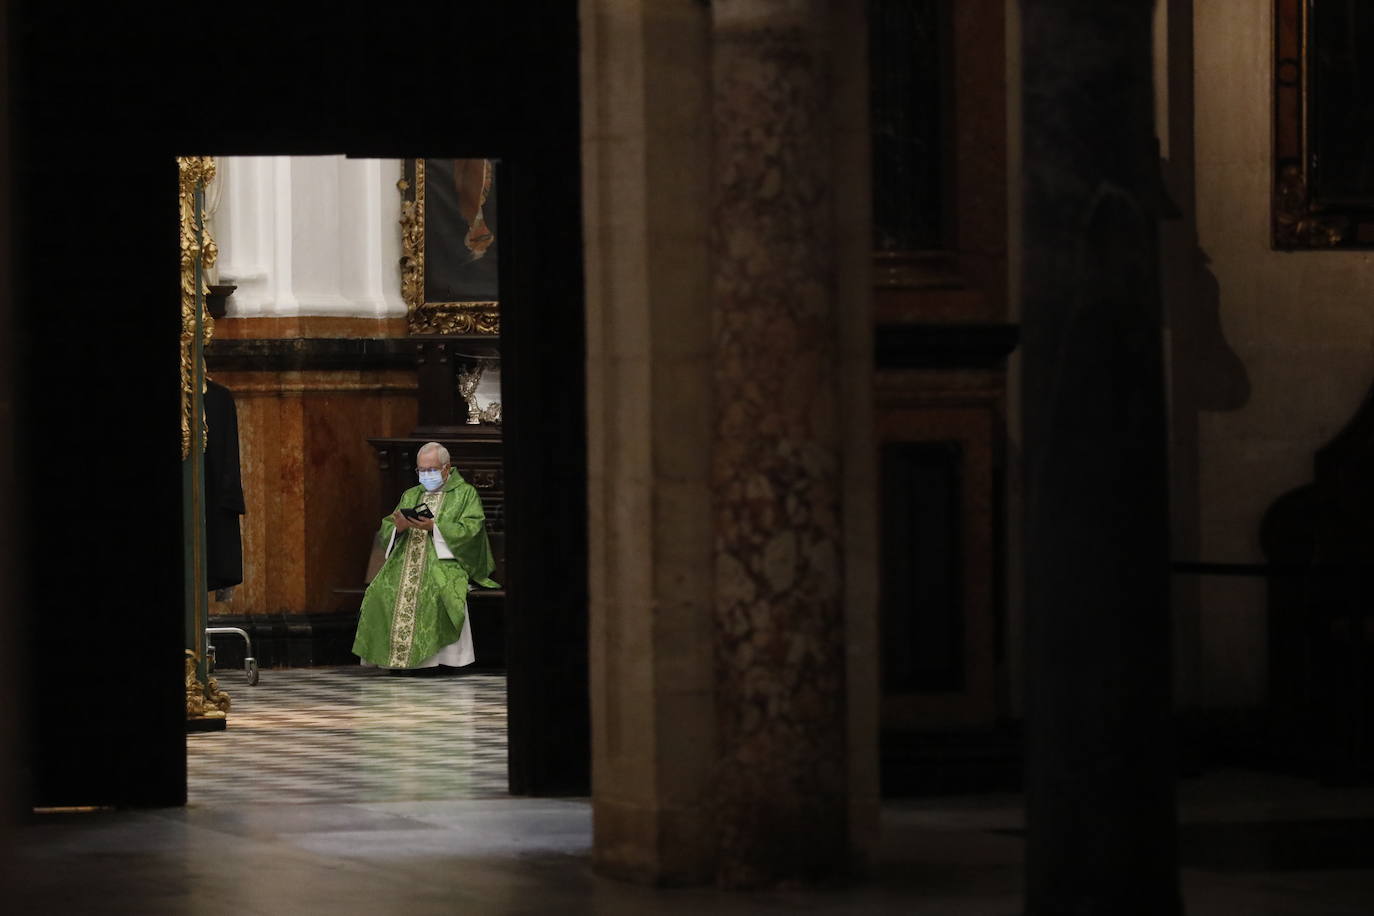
<point x="424" y="524"/>
<point x="400" y="521"/>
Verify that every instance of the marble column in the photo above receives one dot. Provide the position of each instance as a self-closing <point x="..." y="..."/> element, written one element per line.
<point x="1100" y="764"/>
<point x="779" y="623"/>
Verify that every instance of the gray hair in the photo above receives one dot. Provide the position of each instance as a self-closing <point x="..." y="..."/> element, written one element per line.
<point x="433" y="447"/>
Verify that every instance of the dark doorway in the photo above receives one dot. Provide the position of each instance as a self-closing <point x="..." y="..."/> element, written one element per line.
<point x="102" y="105"/>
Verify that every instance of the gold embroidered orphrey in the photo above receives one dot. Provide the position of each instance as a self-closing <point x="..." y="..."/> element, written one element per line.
<point x="423" y="317"/>
<point x="198" y="250"/>
<point x="408" y="593"/>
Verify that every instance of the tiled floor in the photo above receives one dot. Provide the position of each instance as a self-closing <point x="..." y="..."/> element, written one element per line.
<point x="361" y="793"/>
<point x="531" y="857"/>
<point x="352" y="734"/>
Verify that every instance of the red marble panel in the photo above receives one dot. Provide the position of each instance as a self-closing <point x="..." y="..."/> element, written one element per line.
<point x="310" y="481"/>
<point x="309" y="326"/>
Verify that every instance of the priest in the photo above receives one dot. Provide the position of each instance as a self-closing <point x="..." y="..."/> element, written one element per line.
<point x="414" y="613"/>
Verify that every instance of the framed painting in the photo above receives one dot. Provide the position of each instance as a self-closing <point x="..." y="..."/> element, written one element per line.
<point x="1323" y="124"/>
<point x="449" y="246"/>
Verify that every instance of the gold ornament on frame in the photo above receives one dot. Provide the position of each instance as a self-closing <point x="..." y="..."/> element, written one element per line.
<point x="449" y="241"/>
<point x="197" y="250"/>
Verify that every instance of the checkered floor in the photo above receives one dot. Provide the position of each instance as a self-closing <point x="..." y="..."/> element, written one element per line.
<point x="352" y="734"/>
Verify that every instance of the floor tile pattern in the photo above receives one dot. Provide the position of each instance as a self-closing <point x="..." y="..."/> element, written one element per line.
<point x="352" y="734"/>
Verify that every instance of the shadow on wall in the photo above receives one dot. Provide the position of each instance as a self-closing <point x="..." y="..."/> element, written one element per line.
<point x="1208" y="375"/>
<point x="1205" y="375"/>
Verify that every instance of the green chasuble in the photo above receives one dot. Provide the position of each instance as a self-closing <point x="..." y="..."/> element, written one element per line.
<point x="417" y="602"/>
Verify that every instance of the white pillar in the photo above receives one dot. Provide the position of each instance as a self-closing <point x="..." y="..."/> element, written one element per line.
<point x="313" y="243"/>
<point x="369" y="237"/>
<point x="310" y="235"/>
<point x="243" y="228"/>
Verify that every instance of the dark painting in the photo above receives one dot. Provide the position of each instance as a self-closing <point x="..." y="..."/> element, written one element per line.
<point x="910" y="94"/>
<point x="1323" y="124"/>
<point x="461" y="231"/>
<point x="1342" y="102"/>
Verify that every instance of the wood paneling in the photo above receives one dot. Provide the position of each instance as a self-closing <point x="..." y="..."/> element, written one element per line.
<point x="954" y="610"/>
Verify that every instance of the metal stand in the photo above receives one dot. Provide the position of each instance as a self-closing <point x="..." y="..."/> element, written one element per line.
<point x="250" y="664"/>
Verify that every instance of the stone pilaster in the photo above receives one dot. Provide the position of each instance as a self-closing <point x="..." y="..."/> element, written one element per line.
<point x="779" y="623"/>
<point x="1099" y="736"/>
<point x="309" y="235"/>
<point x="646" y="168"/>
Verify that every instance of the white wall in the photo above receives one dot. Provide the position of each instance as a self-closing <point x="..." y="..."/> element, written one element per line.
<point x="309" y="235"/>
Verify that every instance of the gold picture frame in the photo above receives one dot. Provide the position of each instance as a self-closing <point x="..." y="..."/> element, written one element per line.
<point x="1323" y="196"/>
<point x="198" y="254"/>
<point x="449" y="238"/>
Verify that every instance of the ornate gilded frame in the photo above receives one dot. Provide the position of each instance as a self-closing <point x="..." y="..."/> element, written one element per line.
<point x="205" y="702"/>
<point x="475" y="317"/>
<point x="1305" y="217"/>
<point x="198" y="253"/>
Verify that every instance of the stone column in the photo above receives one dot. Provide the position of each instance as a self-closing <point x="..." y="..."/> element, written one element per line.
<point x="245" y="226"/>
<point x="781" y="791"/>
<point x="719" y="727"/>
<point x="646" y="177"/>
<point x="369" y="250"/>
<point x="1100" y="763"/>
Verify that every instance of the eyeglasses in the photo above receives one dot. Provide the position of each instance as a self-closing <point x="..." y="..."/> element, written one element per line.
<point x="420" y="469"/>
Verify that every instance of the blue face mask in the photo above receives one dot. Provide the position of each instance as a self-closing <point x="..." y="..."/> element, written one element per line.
<point x="431" y="480"/>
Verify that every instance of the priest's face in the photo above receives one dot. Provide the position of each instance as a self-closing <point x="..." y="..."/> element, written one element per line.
<point x="430" y="462"/>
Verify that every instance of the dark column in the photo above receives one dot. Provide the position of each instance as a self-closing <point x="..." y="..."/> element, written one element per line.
<point x="543" y="385"/>
<point x="1100" y="760"/>
<point x="779" y="625"/>
<point x="11" y="793"/>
